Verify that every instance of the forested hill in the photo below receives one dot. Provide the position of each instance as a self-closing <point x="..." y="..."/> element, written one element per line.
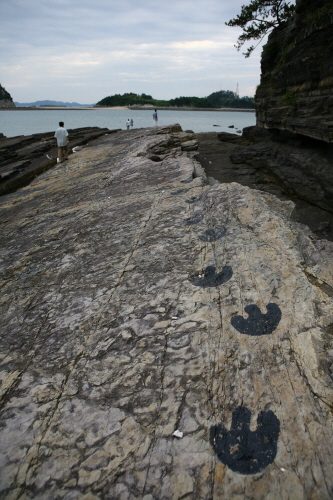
<point x="221" y="99"/>
<point x="6" y="100"/>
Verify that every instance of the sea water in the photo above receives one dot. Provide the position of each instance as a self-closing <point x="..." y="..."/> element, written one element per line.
<point x="27" y="122"/>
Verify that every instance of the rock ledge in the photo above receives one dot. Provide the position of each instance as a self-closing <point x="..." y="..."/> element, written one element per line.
<point x="161" y="338"/>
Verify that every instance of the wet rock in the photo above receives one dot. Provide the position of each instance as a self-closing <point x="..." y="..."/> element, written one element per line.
<point x="107" y="349"/>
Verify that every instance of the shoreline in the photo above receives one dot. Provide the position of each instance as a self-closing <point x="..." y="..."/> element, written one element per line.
<point x="184" y="108"/>
<point x="130" y="108"/>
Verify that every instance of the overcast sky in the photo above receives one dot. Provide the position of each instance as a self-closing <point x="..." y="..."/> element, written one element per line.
<point x="85" y="50"/>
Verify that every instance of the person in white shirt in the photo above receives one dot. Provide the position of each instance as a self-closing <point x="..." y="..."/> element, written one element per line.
<point x="128" y="124"/>
<point x="61" y="136"/>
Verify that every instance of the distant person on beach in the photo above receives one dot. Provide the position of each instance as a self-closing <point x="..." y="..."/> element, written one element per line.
<point x="61" y="136"/>
<point x="132" y="123"/>
<point x="128" y="124"/>
<point x="155" y="118"/>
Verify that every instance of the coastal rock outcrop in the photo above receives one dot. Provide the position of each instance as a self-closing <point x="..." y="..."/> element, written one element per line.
<point x="6" y="100"/>
<point x="290" y="151"/>
<point x="294" y="169"/>
<point x="296" y="87"/>
<point x="161" y="338"/>
<point x="302" y="166"/>
<point x="22" y="158"/>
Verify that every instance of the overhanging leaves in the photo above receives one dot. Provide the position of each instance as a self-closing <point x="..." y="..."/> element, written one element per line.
<point x="259" y="18"/>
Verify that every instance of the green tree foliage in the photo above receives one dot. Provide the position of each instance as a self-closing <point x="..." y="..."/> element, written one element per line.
<point x="4" y="94"/>
<point x="259" y="18"/>
<point x="127" y="99"/>
<point x="221" y="99"/>
<point x="191" y="102"/>
<point x="145" y="96"/>
<point x="229" y="99"/>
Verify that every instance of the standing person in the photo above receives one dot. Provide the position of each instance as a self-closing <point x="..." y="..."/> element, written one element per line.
<point x="128" y="124"/>
<point x="61" y="136"/>
<point x="132" y="123"/>
<point x="155" y="118"/>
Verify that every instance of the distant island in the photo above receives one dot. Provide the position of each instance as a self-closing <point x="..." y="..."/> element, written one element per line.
<point x="6" y="100"/>
<point x="221" y="99"/>
<point x="51" y="104"/>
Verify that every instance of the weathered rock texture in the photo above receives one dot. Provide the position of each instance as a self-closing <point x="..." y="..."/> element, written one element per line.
<point x="294" y="170"/>
<point x="6" y="100"/>
<point x="138" y="301"/>
<point x="22" y="158"/>
<point x="296" y="88"/>
<point x="304" y="167"/>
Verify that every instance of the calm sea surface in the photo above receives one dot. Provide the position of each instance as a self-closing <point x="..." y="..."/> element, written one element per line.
<point x="13" y="123"/>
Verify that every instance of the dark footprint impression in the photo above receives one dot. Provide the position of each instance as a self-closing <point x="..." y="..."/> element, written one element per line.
<point x="257" y="323"/>
<point x="213" y="235"/>
<point x="242" y="450"/>
<point x="193" y="199"/>
<point x="210" y="277"/>
<point x="180" y="191"/>
<point x="195" y="219"/>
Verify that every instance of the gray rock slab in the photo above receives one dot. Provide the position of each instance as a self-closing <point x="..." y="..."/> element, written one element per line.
<point x="23" y="158"/>
<point x="108" y="348"/>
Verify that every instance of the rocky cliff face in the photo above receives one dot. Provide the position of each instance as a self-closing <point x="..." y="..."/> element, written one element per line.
<point x="161" y="338"/>
<point x="296" y="89"/>
<point x="6" y="100"/>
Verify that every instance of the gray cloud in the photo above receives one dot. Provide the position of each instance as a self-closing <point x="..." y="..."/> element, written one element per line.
<point x="84" y="51"/>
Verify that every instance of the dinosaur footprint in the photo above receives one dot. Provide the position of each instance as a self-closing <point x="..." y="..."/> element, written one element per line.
<point x="242" y="450"/>
<point x="179" y="191"/>
<point x="195" y="219"/>
<point x="211" y="278"/>
<point x="193" y="199"/>
<point x="257" y="323"/>
<point x="212" y="235"/>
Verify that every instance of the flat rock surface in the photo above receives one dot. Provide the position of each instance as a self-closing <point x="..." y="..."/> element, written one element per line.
<point x="161" y="338"/>
<point x="22" y="158"/>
